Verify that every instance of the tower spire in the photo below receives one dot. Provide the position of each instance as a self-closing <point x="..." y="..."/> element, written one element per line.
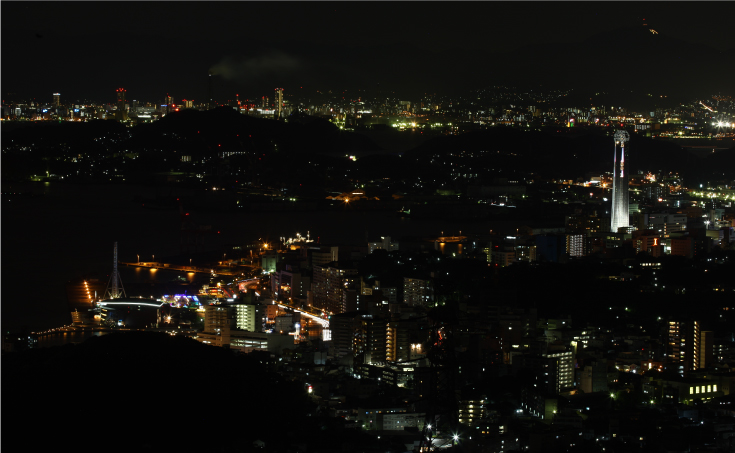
<point x="115" y="289"/>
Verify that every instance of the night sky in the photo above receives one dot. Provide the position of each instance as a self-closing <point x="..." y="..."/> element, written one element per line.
<point x="85" y="50"/>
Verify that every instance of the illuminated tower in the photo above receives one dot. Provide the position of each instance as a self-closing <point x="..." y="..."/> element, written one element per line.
<point x="121" y="114"/>
<point x="620" y="184"/>
<point x="57" y="99"/>
<point x="210" y="105"/>
<point x="279" y="100"/>
<point x="115" y="289"/>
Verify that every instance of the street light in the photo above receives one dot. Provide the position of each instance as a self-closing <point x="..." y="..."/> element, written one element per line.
<point x="138" y="258"/>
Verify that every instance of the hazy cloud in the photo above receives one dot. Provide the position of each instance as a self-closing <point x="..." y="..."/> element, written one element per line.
<point x="236" y="67"/>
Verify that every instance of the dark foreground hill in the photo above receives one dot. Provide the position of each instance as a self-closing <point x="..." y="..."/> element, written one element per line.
<point x="143" y="391"/>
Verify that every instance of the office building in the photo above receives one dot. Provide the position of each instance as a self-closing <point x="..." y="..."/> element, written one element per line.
<point x="384" y="243"/>
<point x="324" y="255"/>
<point x="121" y="114"/>
<point x="665" y="223"/>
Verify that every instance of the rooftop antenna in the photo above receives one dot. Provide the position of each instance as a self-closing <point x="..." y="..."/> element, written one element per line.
<point x="115" y="289"/>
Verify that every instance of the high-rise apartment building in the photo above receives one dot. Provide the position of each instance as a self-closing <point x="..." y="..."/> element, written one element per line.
<point x="330" y="283"/>
<point x="370" y="340"/>
<point x="620" y="184"/>
<point x="245" y="315"/>
<point x="417" y="291"/>
<point x="576" y="245"/>
<point x="684" y="346"/>
<point x="344" y="327"/>
<point x="57" y="99"/>
<point x="554" y="370"/>
<point x="279" y="103"/>
<point x="398" y="344"/>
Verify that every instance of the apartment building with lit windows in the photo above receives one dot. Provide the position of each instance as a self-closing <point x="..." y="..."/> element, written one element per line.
<point x="472" y="411"/>
<point x="417" y="291"/>
<point x="688" y="348"/>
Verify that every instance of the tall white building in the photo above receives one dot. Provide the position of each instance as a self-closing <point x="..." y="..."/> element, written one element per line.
<point x="620" y="184"/>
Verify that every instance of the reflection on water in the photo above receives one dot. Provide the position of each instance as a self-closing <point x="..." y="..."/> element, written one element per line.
<point x="146" y="275"/>
<point x="155" y="283"/>
<point x="62" y="338"/>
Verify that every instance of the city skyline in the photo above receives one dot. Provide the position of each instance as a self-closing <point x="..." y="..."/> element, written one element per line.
<point x="378" y="227"/>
